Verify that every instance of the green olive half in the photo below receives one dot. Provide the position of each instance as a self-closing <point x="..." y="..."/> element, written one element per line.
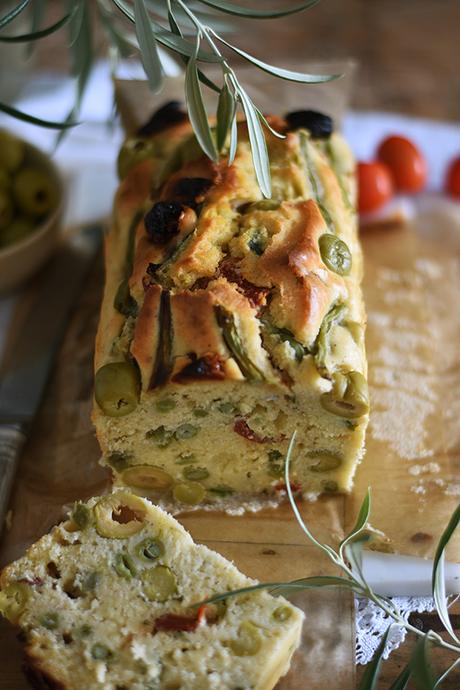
<point x="348" y="397"/>
<point x="147" y="477"/>
<point x="116" y="388"/>
<point x="249" y="640"/>
<point x="335" y="254"/>
<point x="13" y="600"/>
<point x="159" y="583"/>
<point x="190" y="493"/>
<point x="119" y="515"/>
<point x="323" y="461"/>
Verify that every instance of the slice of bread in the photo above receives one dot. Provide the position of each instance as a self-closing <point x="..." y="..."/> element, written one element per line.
<point x="106" y="600"/>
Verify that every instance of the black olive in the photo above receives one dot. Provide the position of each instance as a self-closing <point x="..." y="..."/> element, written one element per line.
<point x="162" y="221"/>
<point x="172" y="113"/>
<point x="319" y="125"/>
<point x="191" y="191"/>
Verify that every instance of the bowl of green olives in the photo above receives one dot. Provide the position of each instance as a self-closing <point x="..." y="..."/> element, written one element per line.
<point x="31" y="203"/>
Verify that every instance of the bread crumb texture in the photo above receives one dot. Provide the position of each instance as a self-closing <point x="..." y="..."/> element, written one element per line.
<point x="106" y="600"/>
<point x="230" y="321"/>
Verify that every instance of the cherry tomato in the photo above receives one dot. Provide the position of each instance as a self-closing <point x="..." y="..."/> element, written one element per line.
<point x="375" y="186"/>
<point x="406" y="162"/>
<point x="453" y="178"/>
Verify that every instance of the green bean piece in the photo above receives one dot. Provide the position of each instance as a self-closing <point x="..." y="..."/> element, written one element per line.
<point x="161" y="436"/>
<point x="286" y="337"/>
<point x="124" y="566"/>
<point x="348" y="397"/>
<point x="185" y="431"/>
<point x="335" y="254"/>
<point x="227" y="322"/>
<point x="321" y="347"/>
<point x="117" y="388"/>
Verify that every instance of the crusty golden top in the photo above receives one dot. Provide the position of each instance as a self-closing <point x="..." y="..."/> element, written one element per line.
<point x="205" y="278"/>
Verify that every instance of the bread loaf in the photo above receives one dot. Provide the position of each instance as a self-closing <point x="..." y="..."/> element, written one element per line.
<point x="229" y="320"/>
<point x="105" y="602"/>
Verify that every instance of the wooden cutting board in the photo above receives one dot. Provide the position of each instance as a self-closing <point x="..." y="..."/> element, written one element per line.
<point x="413" y="327"/>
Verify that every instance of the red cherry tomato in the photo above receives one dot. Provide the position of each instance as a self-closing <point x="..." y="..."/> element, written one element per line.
<point x="375" y="186"/>
<point x="406" y="162"/>
<point x="453" y="178"/>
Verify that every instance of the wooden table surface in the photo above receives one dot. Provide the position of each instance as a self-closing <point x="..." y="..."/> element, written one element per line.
<point x="408" y="62"/>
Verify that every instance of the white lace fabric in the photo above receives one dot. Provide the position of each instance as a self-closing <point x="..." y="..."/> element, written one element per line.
<point x="372" y="623"/>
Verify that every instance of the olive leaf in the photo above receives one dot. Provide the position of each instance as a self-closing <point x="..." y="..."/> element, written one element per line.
<point x="196" y="108"/>
<point x="420" y="664"/>
<point x="231" y="8"/>
<point x="12" y="14"/>
<point x="148" y="46"/>
<point x="361" y="522"/>
<point x="36" y="35"/>
<point x="372" y="672"/>
<point x="258" y="144"/>
<point x="402" y="680"/>
<point x="438" y="578"/>
<point x="287" y="74"/>
<point x="225" y="115"/>
<point x="353" y="552"/>
<point x="444" y="675"/>
<point x="233" y="141"/>
<point x="25" y="117"/>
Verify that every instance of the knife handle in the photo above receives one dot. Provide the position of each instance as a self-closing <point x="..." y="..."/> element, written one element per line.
<point x="12" y="440"/>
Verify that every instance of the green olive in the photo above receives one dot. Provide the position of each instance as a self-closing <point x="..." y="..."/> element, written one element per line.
<point x="185" y="431"/>
<point x="248" y="642"/>
<point x="19" y="229"/>
<point x="222" y="490"/>
<point x="227" y="408"/>
<point x="6" y="214"/>
<point x="263" y="205"/>
<point x="324" y="461"/>
<point x="348" y="396"/>
<point x="35" y="192"/>
<point x="335" y="254"/>
<point x="81" y="515"/>
<point x="165" y="405"/>
<point x="118" y="460"/>
<point x="13" y="600"/>
<point x="150" y="549"/>
<point x="132" y="152"/>
<point x="116" y="388"/>
<point x="185" y="459"/>
<point x="119" y="515"/>
<point x="159" y="583"/>
<point x="147" y="477"/>
<point x="100" y="652"/>
<point x="189" y="492"/>
<point x="12" y="151"/>
<point x="282" y="613"/>
<point x="195" y="473"/>
<point x="50" y="621"/>
<point x="199" y="412"/>
<point x="161" y="436"/>
<point x="124" y="566"/>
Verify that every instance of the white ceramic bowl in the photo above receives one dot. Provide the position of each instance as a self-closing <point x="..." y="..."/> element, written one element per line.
<point x="20" y="260"/>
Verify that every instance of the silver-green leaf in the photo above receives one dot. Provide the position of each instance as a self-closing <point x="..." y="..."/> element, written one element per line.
<point x="361" y="521"/>
<point x="372" y="672"/>
<point x="438" y="578"/>
<point x="420" y="665"/>
<point x="25" y="117"/>
<point x="258" y="144"/>
<point x="231" y="8"/>
<point x="196" y="109"/>
<point x="148" y="46"/>
<point x="36" y="35"/>
<point x="12" y="14"/>
<point x="402" y="680"/>
<point x="225" y="115"/>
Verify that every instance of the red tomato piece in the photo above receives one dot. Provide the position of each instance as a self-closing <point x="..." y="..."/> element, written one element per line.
<point x="452" y="183"/>
<point x="375" y="186"/>
<point x="406" y="162"/>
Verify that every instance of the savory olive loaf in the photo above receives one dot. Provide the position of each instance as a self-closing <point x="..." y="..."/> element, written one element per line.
<point x="106" y="602"/>
<point x="229" y="320"/>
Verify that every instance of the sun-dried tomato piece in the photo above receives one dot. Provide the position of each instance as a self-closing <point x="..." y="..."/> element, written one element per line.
<point x="201" y="368"/>
<point x="162" y="221"/>
<point x="256" y="295"/>
<point x="243" y="429"/>
<point x="174" y="622"/>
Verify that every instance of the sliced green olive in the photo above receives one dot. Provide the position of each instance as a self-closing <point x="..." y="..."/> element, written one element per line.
<point x="165" y="405"/>
<point x="50" y="620"/>
<point x="348" y="397"/>
<point x="161" y="436"/>
<point x="118" y="460"/>
<point x="124" y="566"/>
<point x="147" y="477"/>
<point x="227" y="408"/>
<point x="324" y="461"/>
<point x="100" y="652"/>
<point x="190" y="493"/>
<point x="81" y="515"/>
<point x="195" y="473"/>
<point x="159" y="583"/>
<point x="116" y="388"/>
<point x="185" y="459"/>
<point x="321" y="348"/>
<point x="222" y="490"/>
<point x="150" y="549"/>
<point x="199" y="412"/>
<point x="13" y="600"/>
<point x="282" y="613"/>
<point x="335" y="254"/>
<point x="119" y="515"/>
<point x="248" y="642"/>
<point x="185" y="431"/>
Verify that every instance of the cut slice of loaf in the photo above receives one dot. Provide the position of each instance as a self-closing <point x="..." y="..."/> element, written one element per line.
<point x="106" y="600"/>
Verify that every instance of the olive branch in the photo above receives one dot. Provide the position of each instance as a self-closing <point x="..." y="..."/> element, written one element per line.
<point x="185" y="28"/>
<point x="348" y="559"/>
